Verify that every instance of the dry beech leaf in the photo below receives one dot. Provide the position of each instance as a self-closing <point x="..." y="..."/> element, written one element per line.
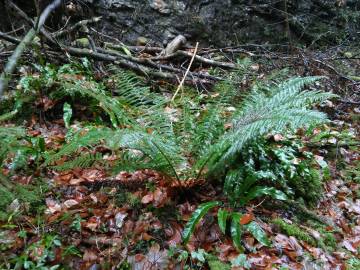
<point x="52" y="206"/>
<point x="89" y="255"/>
<point x="119" y="219"/>
<point x="174" y="232"/>
<point x="349" y="246"/>
<point x="147" y="198"/>
<point x="70" y="203"/>
<point x="160" y="197"/>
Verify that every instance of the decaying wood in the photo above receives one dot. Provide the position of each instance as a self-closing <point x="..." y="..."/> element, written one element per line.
<point x="174" y="45"/>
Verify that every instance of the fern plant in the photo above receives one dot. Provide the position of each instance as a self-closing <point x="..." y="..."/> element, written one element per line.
<point x="200" y="137"/>
<point x="199" y="144"/>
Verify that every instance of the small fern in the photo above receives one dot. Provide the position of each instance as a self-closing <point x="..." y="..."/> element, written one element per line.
<point x="155" y="152"/>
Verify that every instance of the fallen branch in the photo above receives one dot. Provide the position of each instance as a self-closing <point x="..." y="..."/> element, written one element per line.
<point x="14" y="58"/>
<point x="9" y="38"/>
<point x="75" y="27"/>
<point x="32" y="23"/>
<point x="178" y="53"/>
<point x="198" y="58"/>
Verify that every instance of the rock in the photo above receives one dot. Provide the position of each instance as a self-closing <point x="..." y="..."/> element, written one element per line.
<point x="141" y="41"/>
<point x="160" y="6"/>
<point x="219" y="23"/>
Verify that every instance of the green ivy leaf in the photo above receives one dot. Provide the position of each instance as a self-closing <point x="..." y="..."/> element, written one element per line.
<point x="236" y="230"/>
<point x="195" y="218"/>
<point x="222" y="218"/>
<point x="67" y="114"/>
<point x="259" y="234"/>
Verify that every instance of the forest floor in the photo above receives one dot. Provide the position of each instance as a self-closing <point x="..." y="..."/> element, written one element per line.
<point x="78" y="220"/>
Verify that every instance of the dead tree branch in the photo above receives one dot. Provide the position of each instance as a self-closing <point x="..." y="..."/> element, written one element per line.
<point x="14" y="58"/>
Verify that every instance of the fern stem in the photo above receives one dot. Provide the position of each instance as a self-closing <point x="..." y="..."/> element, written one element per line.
<point x="169" y="162"/>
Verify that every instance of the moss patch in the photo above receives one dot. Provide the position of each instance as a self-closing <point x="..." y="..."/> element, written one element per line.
<point x="294" y="230"/>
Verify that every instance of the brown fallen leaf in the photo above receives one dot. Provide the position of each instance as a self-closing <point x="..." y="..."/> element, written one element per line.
<point x="70" y="203"/>
<point x="160" y="197"/>
<point x="246" y="219"/>
<point x="147" y="198"/>
<point x="278" y="137"/>
<point x="52" y="206"/>
<point x="349" y="246"/>
<point x="90" y="255"/>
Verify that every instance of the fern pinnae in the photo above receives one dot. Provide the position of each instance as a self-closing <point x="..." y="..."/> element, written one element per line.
<point x="91" y="138"/>
<point x="84" y="161"/>
<point x="284" y="107"/>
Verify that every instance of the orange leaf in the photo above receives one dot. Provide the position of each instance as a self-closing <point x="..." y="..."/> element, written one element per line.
<point x="247" y="218"/>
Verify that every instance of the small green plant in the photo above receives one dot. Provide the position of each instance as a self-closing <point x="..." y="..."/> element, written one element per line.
<point x="353" y="263"/>
<point x="280" y="164"/>
<point x="241" y="261"/>
<point x="236" y="228"/>
<point x="39" y="254"/>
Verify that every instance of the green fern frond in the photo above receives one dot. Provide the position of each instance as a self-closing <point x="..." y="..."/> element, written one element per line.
<point x="284" y="107"/>
<point x="83" y="161"/>
<point x="146" y="107"/>
<point x="156" y="153"/>
<point x="10" y="138"/>
<point x="91" y="138"/>
<point x="112" y="106"/>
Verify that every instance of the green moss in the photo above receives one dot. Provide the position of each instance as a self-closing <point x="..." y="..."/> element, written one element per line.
<point x="328" y="241"/>
<point x="294" y="230"/>
<point x="127" y="198"/>
<point x="217" y="265"/>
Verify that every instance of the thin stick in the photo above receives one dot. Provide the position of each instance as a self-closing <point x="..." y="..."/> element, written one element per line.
<point x="14" y="58"/>
<point x="186" y="73"/>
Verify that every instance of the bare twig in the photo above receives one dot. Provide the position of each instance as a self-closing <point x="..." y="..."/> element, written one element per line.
<point x="32" y="23"/>
<point x="186" y="73"/>
<point x="198" y="58"/>
<point x="9" y="38"/>
<point x="75" y="27"/>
